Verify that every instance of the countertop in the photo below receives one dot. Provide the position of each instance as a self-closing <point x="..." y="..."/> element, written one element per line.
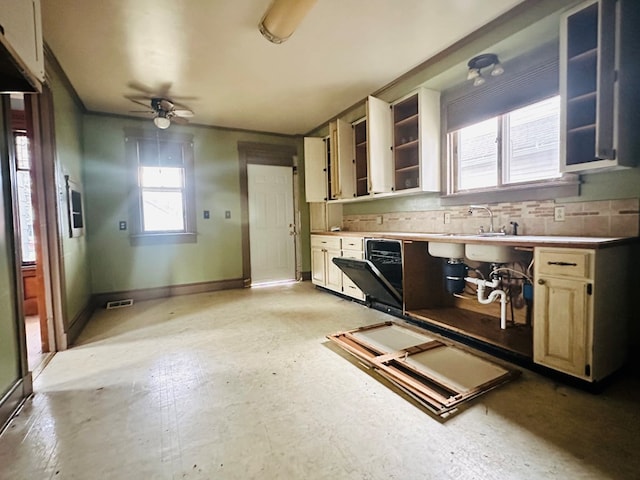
<point x="507" y="240"/>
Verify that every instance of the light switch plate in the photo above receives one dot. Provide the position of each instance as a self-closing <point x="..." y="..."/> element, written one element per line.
<point x="558" y="214"/>
<point x="227" y="214"/>
<point x="447" y="218"/>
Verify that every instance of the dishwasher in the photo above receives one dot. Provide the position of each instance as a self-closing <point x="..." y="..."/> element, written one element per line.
<point x="379" y="275"/>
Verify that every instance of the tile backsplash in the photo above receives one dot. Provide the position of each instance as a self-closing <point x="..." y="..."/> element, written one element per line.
<point x="604" y="218"/>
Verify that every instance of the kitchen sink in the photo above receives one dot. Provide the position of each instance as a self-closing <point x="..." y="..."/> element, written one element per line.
<point x="482" y="252"/>
<point x="446" y="250"/>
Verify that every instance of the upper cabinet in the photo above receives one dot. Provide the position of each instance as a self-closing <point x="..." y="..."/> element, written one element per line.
<point x="598" y="85"/>
<point x="22" y="62"/>
<point x="416" y="141"/>
<point x="360" y="157"/>
<point x="404" y="143"/>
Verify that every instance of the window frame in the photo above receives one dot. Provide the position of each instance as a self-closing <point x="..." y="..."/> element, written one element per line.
<point x="137" y="234"/>
<point x="503" y="136"/>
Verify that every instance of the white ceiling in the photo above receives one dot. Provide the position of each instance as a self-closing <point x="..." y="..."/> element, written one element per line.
<point x="212" y="52"/>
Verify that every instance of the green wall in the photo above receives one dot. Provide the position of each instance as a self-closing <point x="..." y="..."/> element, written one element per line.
<point x="217" y="255"/>
<point x="69" y="161"/>
<point x="9" y="350"/>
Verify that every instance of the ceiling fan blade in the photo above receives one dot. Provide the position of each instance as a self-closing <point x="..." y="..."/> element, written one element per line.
<point x="141" y="111"/>
<point x="183" y="113"/>
<point x="179" y="120"/>
<point x="140" y="87"/>
<point x="163" y="89"/>
<point x="166" y="105"/>
<point x="137" y="100"/>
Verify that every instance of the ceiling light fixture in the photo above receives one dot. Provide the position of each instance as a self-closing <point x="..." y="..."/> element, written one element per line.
<point x="476" y="64"/>
<point x="161" y="121"/>
<point x="282" y="18"/>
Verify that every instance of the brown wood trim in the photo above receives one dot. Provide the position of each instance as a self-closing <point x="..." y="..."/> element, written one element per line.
<point x="100" y="299"/>
<point x="51" y="63"/>
<point x="261" y="154"/>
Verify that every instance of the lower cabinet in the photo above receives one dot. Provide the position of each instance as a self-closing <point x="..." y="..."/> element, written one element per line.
<point x="581" y="310"/>
<point x="324" y="272"/>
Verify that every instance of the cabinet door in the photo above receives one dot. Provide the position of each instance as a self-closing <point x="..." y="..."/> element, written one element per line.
<point x="379" y="153"/>
<point x="22" y="25"/>
<point x="315" y="170"/>
<point x="346" y="166"/>
<point x="561" y="325"/>
<point x="318" y="274"/>
<point x="588" y="87"/>
<point x="334" y="274"/>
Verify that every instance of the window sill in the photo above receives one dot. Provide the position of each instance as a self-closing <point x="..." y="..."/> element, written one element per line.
<point x="561" y="188"/>
<point x="142" y="239"/>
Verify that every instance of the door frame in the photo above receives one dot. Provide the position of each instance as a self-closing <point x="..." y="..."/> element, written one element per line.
<point x="266" y="154"/>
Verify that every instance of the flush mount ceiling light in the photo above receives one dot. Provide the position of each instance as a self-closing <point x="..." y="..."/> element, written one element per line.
<point x="476" y="64"/>
<point x="282" y="18"/>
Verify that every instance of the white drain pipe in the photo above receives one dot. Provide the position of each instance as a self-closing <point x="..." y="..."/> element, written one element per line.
<point x="482" y="284"/>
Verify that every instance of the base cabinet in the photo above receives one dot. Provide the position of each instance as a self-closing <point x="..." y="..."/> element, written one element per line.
<point x="581" y="310"/>
<point x="323" y="271"/>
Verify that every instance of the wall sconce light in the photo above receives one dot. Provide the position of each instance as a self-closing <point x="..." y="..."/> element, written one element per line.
<point x="282" y="18"/>
<point x="476" y="64"/>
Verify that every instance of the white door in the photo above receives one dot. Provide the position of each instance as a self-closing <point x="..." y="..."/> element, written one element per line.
<point x="271" y="223"/>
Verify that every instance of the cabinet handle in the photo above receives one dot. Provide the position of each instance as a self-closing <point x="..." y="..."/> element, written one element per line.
<point x="541" y="281"/>
<point x="563" y="264"/>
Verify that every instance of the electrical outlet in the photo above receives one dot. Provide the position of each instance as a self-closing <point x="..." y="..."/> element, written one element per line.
<point x="558" y="214"/>
<point x="206" y="214"/>
<point x="379" y="220"/>
<point x="447" y="218"/>
<point x="227" y="214"/>
<point x="122" y="225"/>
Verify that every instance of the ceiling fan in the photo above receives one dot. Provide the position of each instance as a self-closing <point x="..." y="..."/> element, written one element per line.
<point x="164" y="110"/>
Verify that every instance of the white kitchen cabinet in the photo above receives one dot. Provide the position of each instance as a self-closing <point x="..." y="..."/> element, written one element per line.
<point x="323" y="216"/>
<point x="379" y="143"/>
<point x="342" y="166"/>
<point x="21" y="24"/>
<point x="599" y="41"/>
<point x="404" y="143"/>
<point x="352" y="247"/>
<point x="315" y="170"/>
<point x="416" y="141"/>
<point x="580" y="310"/>
<point x="324" y="272"/>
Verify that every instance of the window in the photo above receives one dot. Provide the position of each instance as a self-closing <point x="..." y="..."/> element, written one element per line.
<point x="162" y="202"/>
<point x="520" y="146"/>
<point x="25" y="208"/>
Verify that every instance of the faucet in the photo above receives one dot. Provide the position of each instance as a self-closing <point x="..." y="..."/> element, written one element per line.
<point x="480" y="207"/>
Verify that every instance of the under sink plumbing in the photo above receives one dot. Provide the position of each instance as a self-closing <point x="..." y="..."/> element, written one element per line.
<point x="456" y="279"/>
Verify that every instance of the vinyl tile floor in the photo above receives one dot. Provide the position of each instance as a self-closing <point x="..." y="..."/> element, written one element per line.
<point x="243" y="384"/>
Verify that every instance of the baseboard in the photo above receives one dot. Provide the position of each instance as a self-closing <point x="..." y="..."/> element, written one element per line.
<point x="101" y="299"/>
<point x="79" y="322"/>
<point x="12" y="401"/>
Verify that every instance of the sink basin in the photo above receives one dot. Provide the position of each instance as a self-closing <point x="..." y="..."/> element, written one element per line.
<point x="446" y="250"/>
<point x="481" y="252"/>
<point x="483" y="234"/>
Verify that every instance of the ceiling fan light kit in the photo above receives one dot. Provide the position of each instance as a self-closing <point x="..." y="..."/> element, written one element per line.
<point x="163" y="109"/>
<point x="282" y="18"/>
<point x="161" y="122"/>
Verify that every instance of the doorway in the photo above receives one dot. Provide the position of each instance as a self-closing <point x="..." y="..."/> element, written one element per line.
<point x="271" y="224"/>
<point x="269" y="213"/>
<point x="25" y="167"/>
